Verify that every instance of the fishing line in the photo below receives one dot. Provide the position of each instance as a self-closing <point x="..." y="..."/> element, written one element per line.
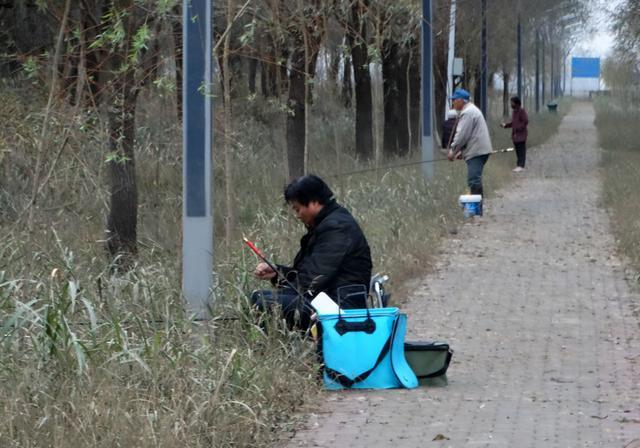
<point x="404" y="165"/>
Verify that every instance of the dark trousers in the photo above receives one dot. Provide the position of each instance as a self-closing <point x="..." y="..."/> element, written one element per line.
<point x="474" y="173"/>
<point x="296" y="310"/>
<point x="521" y="153"/>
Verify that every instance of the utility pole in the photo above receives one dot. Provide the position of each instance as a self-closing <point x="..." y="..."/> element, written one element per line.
<point x="552" y="92"/>
<point x="427" y="89"/>
<point x="564" y="74"/>
<point x="543" y="70"/>
<point x="197" y="217"/>
<point x="519" y="58"/>
<point x="451" y="55"/>
<point x="483" y="57"/>
<point x="537" y="92"/>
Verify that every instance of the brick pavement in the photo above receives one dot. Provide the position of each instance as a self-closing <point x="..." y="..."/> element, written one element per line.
<point x="535" y="303"/>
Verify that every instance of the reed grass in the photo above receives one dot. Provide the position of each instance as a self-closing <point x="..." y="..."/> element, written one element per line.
<point x="616" y="121"/>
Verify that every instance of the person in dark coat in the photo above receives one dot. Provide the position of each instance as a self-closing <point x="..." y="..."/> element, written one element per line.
<point x="518" y="125"/>
<point x="449" y="129"/>
<point x="334" y="256"/>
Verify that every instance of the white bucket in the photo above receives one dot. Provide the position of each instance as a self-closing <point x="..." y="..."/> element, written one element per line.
<point x="471" y="204"/>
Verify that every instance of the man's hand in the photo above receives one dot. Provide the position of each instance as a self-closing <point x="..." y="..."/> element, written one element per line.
<point x="264" y="272"/>
<point x="454" y="155"/>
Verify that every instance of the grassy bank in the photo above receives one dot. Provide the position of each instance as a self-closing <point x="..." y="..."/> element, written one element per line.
<point x="617" y="125"/>
<point x="93" y="359"/>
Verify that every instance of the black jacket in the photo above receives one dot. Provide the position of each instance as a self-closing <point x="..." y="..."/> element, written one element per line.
<point x="332" y="254"/>
<point x="448" y="131"/>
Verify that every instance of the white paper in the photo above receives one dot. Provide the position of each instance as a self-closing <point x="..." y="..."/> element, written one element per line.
<point x="323" y="304"/>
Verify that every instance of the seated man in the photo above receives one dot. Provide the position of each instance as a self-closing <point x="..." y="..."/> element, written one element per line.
<point x="334" y="254"/>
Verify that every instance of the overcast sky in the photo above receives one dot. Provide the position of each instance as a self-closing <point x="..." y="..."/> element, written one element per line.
<point x="601" y="42"/>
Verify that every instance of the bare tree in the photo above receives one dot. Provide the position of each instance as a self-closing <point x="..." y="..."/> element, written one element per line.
<point x="306" y="32"/>
<point x="357" y="37"/>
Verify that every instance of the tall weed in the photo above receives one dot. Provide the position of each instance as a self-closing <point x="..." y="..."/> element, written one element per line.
<point x="617" y="125"/>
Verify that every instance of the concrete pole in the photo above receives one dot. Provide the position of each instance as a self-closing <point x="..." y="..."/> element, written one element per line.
<point x="543" y="87"/>
<point x="483" y="57"/>
<point x="537" y="92"/>
<point x="564" y="74"/>
<point x="451" y="55"/>
<point x="197" y="228"/>
<point x="551" y="90"/>
<point x="427" y="90"/>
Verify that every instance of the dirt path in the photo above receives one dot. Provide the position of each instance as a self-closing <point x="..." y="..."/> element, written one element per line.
<point x="536" y="305"/>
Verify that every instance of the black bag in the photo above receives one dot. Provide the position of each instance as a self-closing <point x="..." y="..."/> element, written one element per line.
<point x="429" y="361"/>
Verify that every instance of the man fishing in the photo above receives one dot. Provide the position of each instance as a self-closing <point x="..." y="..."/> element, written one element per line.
<point x="334" y="255"/>
<point x="471" y="141"/>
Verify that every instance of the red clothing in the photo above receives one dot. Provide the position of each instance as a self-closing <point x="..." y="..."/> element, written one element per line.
<point x="519" y="122"/>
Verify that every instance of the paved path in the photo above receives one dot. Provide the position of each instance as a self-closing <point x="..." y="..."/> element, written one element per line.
<point x="536" y="305"/>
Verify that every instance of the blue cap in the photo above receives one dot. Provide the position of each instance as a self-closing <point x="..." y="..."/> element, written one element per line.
<point x="460" y="94"/>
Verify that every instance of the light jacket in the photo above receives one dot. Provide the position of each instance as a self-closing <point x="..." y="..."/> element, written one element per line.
<point x="472" y="134"/>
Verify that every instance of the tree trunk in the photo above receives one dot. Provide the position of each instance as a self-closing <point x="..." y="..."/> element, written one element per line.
<point x="229" y="221"/>
<point x="43" y="147"/>
<point x="505" y="94"/>
<point x="357" y="35"/>
<point x="296" y="113"/>
<point x="282" y="74"/>
<point x="270" y="74"/>
<point x="415" y="87"/>
<point x="403" y="110"/>
<point x="334" y="66"/>
<point x="96" y="76"/>
<point x="123" y="210"/>
<point x="306" y="38"/>
<point x="347" y="84"/>
<point x="264" y="83"/>
<point x="176" y="25"/>
<point x="253" y="73"/>
<point x="477" y="90"/>
<point x="82" y="61"/>
<point x="269" y="79"/>
<point x="394" y="83"/>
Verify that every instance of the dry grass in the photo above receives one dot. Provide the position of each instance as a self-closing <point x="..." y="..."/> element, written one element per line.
<point x="617" y="132"/>
<point x="90" y="359"/>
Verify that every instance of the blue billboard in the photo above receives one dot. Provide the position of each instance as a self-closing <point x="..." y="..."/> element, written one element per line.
<point x="585" y="67"/>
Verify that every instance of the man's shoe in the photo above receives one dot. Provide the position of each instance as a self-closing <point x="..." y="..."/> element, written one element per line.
<point x="518" y="169"/>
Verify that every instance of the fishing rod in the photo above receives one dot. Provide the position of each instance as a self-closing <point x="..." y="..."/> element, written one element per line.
<point x="402" y="165"/>
<point x="275" y="269"/>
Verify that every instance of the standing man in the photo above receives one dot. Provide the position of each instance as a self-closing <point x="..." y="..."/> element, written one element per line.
<point x="471" y="141"/>
<point x="518" y="125"/>
<point x="334" y="256"/>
